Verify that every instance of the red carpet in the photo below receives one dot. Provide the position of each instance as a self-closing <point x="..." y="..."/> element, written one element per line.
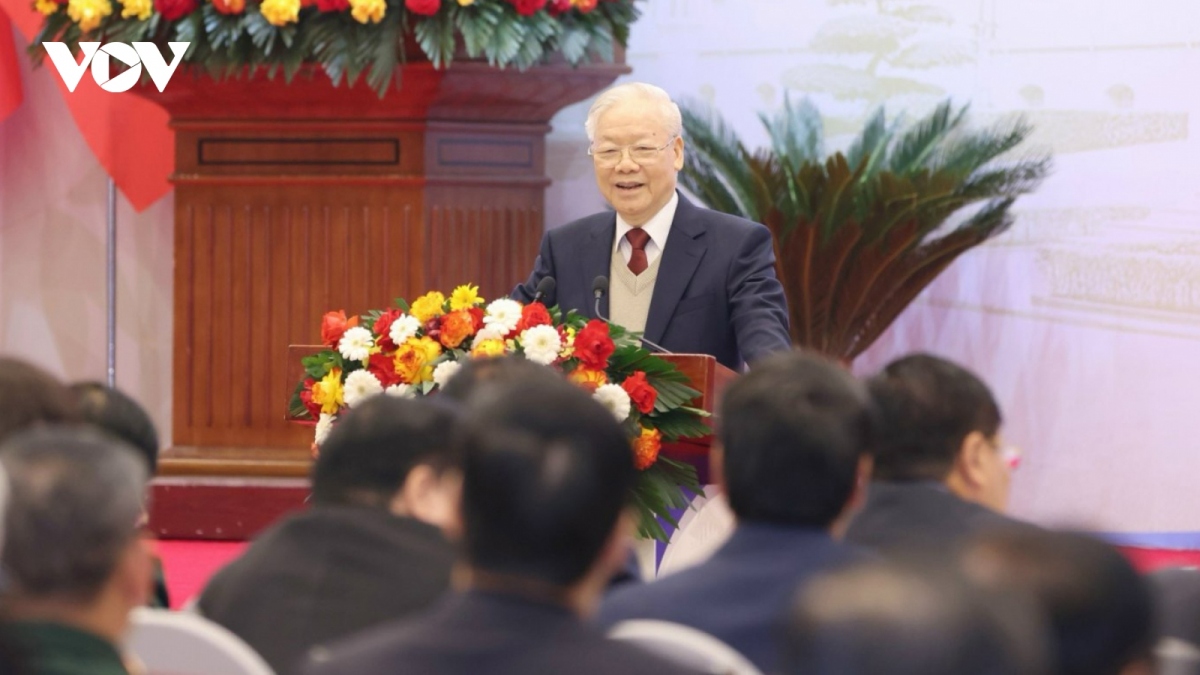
<point x="187" y="564"/>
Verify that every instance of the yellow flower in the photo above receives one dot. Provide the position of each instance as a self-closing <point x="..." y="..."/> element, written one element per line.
<point x="465" y="3"/>
<point x="142" y="9"/>
<point x="465" y="297"/>
<point x="487" y="348"/>
<point x="414" y="359"/>
<point x="428" y="306"/>
<point x="328" y="392"/>
<point x="46" y="7"/>
<point x="280" y="12"/>
<point x="88" y="13"/>
<point x="365" y="11"/>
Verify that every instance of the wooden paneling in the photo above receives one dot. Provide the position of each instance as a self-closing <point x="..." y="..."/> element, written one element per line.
<point x="294" y="200"/>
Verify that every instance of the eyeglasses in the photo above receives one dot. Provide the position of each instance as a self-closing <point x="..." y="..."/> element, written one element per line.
<point x="639" y="154"/>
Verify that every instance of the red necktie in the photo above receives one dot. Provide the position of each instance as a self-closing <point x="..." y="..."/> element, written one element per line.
<point x="638" y="238"/>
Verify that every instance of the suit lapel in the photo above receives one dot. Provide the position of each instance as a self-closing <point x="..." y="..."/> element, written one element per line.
<point x="596" y="260"/>
<point x="685" y="248"/>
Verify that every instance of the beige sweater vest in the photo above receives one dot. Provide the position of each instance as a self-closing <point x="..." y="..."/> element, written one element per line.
<point x="629" y="294"/>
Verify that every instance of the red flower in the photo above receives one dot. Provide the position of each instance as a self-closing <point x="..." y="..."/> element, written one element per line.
<point x="557" y="7"/>
<point x="533" y="314"/>
<point x="229" y="6"/>
<point x="383" y="325"/>
<point x="175" y="9"/>
<point x="476" y="316"/>
<point x="314" y="409"/>
<point x="593" y="346"/>
<point x="641" y="394"/>
<point x="586" y="6"/>
<point x="333" y="5"/>
<point x="528" y="7"/>
<point x="384" y="369"/>
<point x="333" y="324"/>
<point x="424" y="7"/>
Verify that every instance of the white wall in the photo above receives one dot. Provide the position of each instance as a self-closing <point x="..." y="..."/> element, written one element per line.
<point x="1085" y="318"/>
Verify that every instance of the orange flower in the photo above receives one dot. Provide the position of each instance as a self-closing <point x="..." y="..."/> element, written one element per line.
<point x="641" y="394"/>
<point x="646" y="448"/>
<point x="333" y="325"/>
<point x="588" y="378"/>
<point x="413" y="360"/>
<point x="456" y="327"/>
<point x="488" y="348"/>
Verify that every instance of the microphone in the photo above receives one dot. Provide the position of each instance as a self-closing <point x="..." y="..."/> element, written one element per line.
<point x="599" y="288"/>
<point x="545" y="288"/>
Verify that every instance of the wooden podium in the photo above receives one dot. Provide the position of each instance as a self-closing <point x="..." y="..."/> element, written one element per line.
<point x="292" y="200"/>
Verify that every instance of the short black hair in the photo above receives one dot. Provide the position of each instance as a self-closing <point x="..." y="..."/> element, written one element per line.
<point x="927" y="406"/>
<point x="477" y="373"/>
<point x="793" y="431"/>
<point x="1099" y="609"/>
<point x="546" y="474"/>
<point x="369" y="453"/>
<point x="909" y="619"/>
<point x="30" y="396"/>
<point x="116" y="413"/>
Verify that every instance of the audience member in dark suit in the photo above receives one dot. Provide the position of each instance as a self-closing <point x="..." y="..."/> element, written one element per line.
<point x="942" y="469"/>
<point x="878" y="619"/>
<point x="114" y="412"/>
<point x="1099" y="609"/>
<point x="546" y="480"/>
<point x="1177" y="610"/>
<point x="697" y="281"/>
<point x="74" y="559"/>
<point x="793" y="435"/>
<point x="368" y="551"/>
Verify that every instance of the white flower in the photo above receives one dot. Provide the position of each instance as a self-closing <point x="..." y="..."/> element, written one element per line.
<point x="613" y="397"/>
<point x="541" y="344"/>
<point x="324" y="426"/>
<point x="356" y="344"/>
<point x="360" y="386"/>
<point x="490" y="332"/>
<point x="404" y="327"/>
<point x="401" y="391"/>
<point x="504" y="314"/>
<point x="445" y="371"/>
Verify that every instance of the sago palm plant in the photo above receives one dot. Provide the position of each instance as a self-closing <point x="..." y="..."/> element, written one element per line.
<point x="859" y="234"/>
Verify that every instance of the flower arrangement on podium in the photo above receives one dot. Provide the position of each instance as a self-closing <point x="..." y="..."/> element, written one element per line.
<point x="414" y="349"/>
<point x="345" y="38"/>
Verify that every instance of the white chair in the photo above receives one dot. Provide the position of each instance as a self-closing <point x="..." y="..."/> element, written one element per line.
<point x="181" y="643"/>
<point x="684" y="645"/>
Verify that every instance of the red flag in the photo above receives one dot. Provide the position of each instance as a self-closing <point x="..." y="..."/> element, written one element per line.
<point x="10" y="70"/>
<point x="128" y="134"/>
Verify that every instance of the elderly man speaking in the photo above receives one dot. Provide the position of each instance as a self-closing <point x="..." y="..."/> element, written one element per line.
<point x="690" y="279"/>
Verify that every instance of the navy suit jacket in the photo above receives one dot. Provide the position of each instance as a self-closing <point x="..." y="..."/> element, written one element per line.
<point x="741" y="595"/>
<point x="716" y="291"/>
<point x="477" y="633"/>
<point x="922" y="517"/>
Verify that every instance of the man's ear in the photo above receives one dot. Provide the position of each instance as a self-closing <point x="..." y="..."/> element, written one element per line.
<point x="678" y="148"/>
<point x="972" y="461"/>
<point x="716" y="466"/>
<point x="134" y="573"/>
<point x="858" y="496"/>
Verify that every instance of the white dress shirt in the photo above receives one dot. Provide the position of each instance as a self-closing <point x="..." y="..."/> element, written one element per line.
<point x="658" y="227"/>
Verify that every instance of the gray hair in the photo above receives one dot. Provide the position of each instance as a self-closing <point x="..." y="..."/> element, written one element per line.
<point x="635" y="90"/>
<point x="76" y="497"/>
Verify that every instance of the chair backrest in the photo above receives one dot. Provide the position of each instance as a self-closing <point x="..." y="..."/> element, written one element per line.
<point x="1177" y="657"/>
<point x="684" y="645"/>
<point x="703" y="529"/>
<point x="178" y="643"/>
